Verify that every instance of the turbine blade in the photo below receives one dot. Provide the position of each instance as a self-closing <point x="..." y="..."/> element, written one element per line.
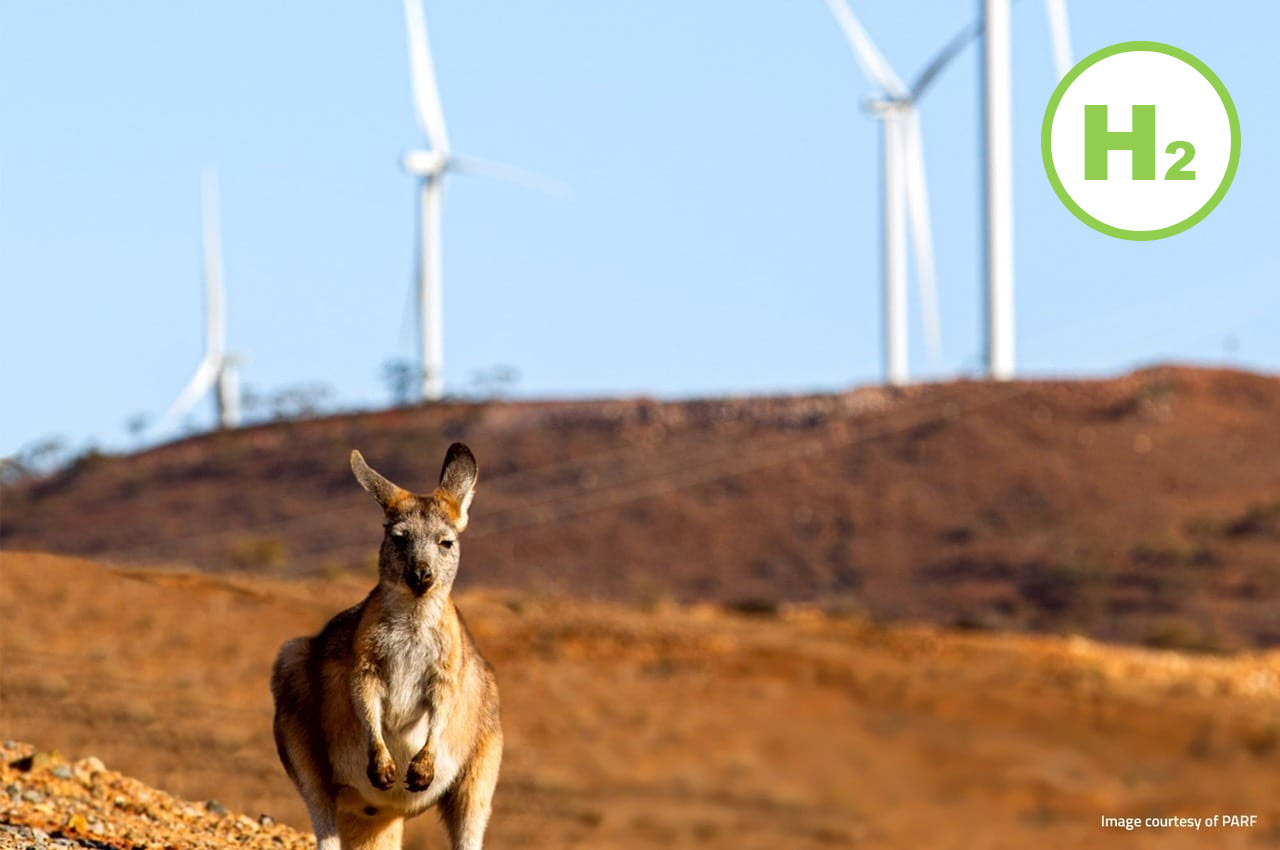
<point x="921" y="232"/>
<point x="943" y="58"/>
<point x="426" y="93"/>
<point x="205" y="376"/>
<point x="869" y="58"/>
<point x="1060" y="33"/>
<point x="215" y="333"/>
<point x="509" y="173"/>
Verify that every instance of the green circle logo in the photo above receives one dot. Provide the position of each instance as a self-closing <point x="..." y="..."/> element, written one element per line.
<point x="1140" y="140"/>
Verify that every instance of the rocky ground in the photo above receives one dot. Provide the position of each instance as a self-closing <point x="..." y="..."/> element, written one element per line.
<point x="48" y="802"/>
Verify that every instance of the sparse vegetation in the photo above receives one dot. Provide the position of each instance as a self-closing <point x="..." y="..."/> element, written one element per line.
<point x="1201" y="526"/>
<point x="495" y="382"/>
<point x="1181" y="634"/>
<point x="1260" y="519"/>
<point x="1171" y="553"/>
<point x="1069" y="592"/>
<point x="40" y="457"/>
<point x="1262" y="740"/>
<point x="844" y="606"/>
<point x="402" y="378"/>
<point x="754" y="606"/>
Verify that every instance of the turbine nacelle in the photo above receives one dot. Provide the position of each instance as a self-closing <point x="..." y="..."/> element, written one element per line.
<point x="883" y="107"/>
<point x="425" y="163"/>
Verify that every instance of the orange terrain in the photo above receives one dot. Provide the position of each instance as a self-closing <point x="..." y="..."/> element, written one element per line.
<point x="667" y="725"/>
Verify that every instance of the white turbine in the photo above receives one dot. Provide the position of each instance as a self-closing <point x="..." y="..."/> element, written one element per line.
<point x="905" y="200"/>
<point x="1060" y="34"/>
<point x="898" y="106"/>
<point x="997" y="187"/>
<point x="430" y="166"/>
<point x="997" y="169"/>
<point x="217" y="369"/>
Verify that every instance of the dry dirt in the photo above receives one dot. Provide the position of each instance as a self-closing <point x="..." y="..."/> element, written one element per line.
<point x="663" y="726"/>
<point x="1144" y="508"/>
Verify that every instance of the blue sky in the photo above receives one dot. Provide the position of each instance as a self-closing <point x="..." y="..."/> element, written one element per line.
<point x="721" y="232"/>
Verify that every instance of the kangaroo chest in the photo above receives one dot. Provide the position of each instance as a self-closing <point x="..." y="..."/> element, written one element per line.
<point x="412" y="681"/>
<point x="412" y="653"/>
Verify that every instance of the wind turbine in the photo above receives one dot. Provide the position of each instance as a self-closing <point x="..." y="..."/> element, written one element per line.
<point x="217" y="370"/>
<point x="993" y="25"/>
<point x="429" y="166"/>
<point x="997" y="168"/>
<point x="905" y="198"/>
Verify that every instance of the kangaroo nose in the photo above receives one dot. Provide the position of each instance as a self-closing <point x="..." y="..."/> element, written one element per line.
<point x="419" y="579"/>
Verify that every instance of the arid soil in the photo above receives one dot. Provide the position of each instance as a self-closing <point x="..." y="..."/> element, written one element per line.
<point x="1143" y="509"/>
<point x="648" y="727"/>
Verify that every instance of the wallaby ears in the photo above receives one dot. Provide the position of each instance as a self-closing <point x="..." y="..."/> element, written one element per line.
<point x="458" y="479"/>
<point x="384" y="491"/>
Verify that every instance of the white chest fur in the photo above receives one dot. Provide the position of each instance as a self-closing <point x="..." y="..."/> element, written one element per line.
<point x="409" y="666"/>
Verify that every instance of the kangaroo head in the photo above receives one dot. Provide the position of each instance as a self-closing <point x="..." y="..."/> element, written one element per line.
<point x="420" y="546"/>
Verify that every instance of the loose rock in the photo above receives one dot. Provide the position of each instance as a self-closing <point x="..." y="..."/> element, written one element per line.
<point x="115" y="811"/>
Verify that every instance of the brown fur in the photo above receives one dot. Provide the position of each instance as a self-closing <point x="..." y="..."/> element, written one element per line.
<point x="391" y="708"/>
<point x="447" y="503"/>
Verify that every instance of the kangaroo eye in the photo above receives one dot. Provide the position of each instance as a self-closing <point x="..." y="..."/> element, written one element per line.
<point x="399" y="533"/>
<point x="446" y="543"/>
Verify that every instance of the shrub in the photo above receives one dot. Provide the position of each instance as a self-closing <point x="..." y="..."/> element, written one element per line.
<point x="754" y="606"/>
<point x="1260" y="520"/>
<point x="1180" y="634"/>
<point x="1060" y="590"/>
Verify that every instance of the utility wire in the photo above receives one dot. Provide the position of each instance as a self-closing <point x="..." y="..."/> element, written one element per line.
<point x="567" y="501"/>
<point x="692" y="445"/>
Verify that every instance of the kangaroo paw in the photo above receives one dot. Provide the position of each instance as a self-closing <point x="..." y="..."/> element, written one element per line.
<point x="382" y="771"/>
<point x="421" y="772"/>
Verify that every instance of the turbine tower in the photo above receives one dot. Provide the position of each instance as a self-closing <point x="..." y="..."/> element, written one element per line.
<point x="905" y="201"/>
<point x="429" y="166"/>
<point x="997" y="187"/>
<point x="997" y="169"/>
<point x="217" y="369"/>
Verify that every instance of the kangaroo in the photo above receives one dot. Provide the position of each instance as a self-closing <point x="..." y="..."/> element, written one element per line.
<point x="391" y="709"/>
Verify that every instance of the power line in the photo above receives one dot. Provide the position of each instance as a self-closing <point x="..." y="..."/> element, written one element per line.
<point x="683" y="479"/>
<point x="569" y="500"/>
<point x="687" y="445"/>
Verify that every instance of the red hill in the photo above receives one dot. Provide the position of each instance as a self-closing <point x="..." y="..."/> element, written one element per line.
<point x="1143" y="508"/>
